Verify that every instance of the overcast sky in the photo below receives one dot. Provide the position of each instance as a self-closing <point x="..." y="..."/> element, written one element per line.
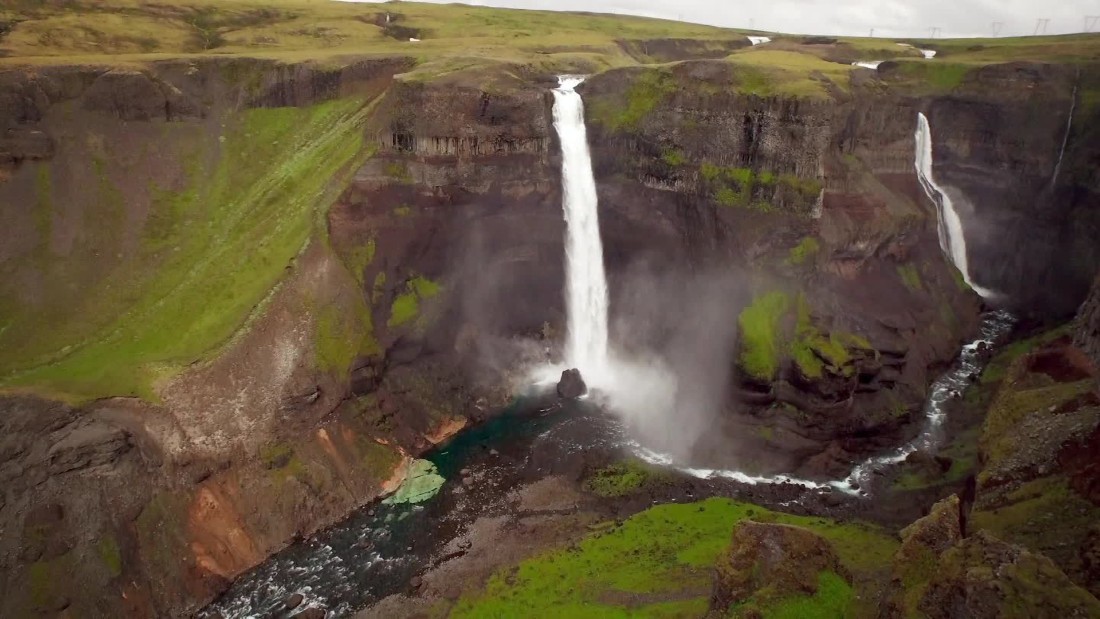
<point x="890" y="18"/>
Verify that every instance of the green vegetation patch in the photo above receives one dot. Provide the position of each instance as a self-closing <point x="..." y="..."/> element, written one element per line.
<point x="244" y="216"/>
<point x="406" y="306"/>
<point x="747" y="188"/>
<point x="805" y="251"/>
<point x="344" y="334"/>
<point x="935" y="76"/>
<point x="621" y="479"/>
<point x="911" y="276"/>
<point x="766" y="73"/>
<point x="109" y="552"/>
<point x="658" y="563"/>
<point x="760" y="334"/>
<point x="814" y="351"/>
<point x="647" y="90"/>
<point x="832" y="600"/>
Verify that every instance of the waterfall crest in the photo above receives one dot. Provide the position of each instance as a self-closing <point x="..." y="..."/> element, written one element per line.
<point x="952" y="239"/>
<point x="586" y="282"/>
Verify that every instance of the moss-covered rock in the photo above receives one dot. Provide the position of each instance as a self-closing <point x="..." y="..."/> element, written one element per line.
<point x="767" y="564"/>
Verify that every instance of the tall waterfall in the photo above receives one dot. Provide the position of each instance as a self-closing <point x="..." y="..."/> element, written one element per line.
<point x="1065" y="137"/>
<point x="952" y="239"/>
<point x="586" y="283"/>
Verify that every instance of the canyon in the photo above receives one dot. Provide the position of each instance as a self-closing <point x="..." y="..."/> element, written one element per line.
<point x="242" y="294"/>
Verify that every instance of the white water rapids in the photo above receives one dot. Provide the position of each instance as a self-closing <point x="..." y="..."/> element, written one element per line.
<point x="952" y="238"/>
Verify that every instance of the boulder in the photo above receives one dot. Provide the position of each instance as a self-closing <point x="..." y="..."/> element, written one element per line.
<point x="571" y="386"/>
<point x="770" y="560"/>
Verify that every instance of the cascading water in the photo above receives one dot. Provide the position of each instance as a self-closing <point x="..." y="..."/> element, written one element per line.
<point x="1065" y="137"/>
<point x="586" y="282"/>
<point x="952" y="239"/>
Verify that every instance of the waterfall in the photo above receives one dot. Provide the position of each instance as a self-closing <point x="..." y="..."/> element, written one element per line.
<point x="586" y="283"/>
<point x="1065" y="138"/>
<point x="952" y="239"/>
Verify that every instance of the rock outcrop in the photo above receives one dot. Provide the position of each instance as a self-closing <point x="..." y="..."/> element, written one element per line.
<point x="766" y="563"/>
<point x="938" y="573"/>
<point x="1087" y="329"/>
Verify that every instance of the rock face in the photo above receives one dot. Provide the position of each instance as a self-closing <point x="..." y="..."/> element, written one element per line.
<point x="803" y="215"/>
<point x="942" y="575"/>
<point x="986" y="578"/>
<point x="767" y="562"/>
<point x="571" y="386"/>
<point x="1087" y="333"/>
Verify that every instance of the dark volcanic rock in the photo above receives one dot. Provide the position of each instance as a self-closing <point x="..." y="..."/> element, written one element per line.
<point x="1087" y="334"/>
<point x="571" y="386"/>
<point x="979" y="576"/>
<point x="985" y="577"/>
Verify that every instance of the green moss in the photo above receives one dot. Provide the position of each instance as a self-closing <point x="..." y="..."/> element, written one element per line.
<point x="377" y="459"/>
<point x="674" y="158"/>
<point x="359" y="258"/>
<point x="398" y="171"/>
<point x="736" y="187"/>
<point x="379" y="287"/>
<point x="1012" y="406"/>
<point x="709" y="171"/>
<point x="160" y="533"/>
<point x="620" y="479"/>
<point x="40" y="582"/>
<point x="911" y="276"/>
<point x="760" y="334"/>
<point x="727" y="196"/>
<point x="960" y="281"/>
<point x="110" y="554"/>
<point x="406" y="306"/>
<point x="251" y="213"/>
<point x="284" y="463"/>
<point x="814" y="351"/>
<point x="658" y="562"/>
<point x="806" y="250"/>
<point x="1045" y="515"/>
<point x="403" y="211"/>
<point x="343" y="333"/>
<point x="830" y="601"/>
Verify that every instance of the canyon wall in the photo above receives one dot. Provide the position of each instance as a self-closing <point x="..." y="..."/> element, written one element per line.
<point x="238" y="295"/>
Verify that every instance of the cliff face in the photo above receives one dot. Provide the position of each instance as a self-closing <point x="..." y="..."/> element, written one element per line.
<point x="1087" y="331"/>
<point x="1016" y="144"/>
<point x="844" y="304"/>
<point x="300" y="276"/>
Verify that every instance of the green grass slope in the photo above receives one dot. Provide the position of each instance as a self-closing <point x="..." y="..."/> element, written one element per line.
<point x="210" y="250"/>
<point x="658" y="563"/>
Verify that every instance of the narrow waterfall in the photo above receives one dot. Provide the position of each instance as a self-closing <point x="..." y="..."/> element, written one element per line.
<point x="586" y="283"/>
<point x="1065" y="138"/>
<point x="952" y="239"/>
